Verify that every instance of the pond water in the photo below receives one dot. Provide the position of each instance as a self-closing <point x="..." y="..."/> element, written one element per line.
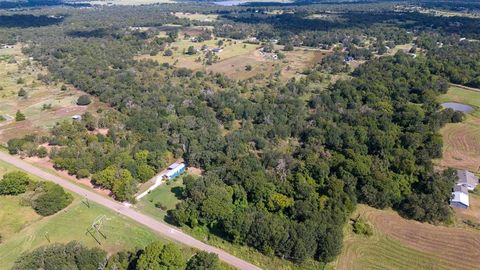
<point x="457" y="107"/>
<point x="229" y="3"/>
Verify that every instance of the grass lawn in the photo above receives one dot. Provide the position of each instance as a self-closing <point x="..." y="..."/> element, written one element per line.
<point x="23" y="230"/>
<point x="72" y="224"/>
<point x="462" y="95"/>
<point x="164" y="194"/>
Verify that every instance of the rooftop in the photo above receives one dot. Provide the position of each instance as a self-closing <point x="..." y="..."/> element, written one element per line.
<point x="466" y="177"/>
<point x="460" y="197"/>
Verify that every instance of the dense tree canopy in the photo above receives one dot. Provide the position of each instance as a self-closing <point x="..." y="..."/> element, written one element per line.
<point x="285" y="161"/>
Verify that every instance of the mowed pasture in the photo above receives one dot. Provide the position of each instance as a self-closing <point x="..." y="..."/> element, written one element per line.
<point x="398" y="243"/>
<point x="165" y="196"/>
<point x="461" y="141"/>
<point x="236" y="56"/>
<point x="43" y="105"/>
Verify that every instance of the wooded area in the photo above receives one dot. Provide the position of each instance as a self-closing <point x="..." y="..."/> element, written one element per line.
<point x="286" y="162"/>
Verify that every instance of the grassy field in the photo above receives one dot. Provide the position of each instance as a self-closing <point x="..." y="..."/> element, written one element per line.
<point x="22" y="73"/>
<point x="23" y="230"/>
<point x="197" y="16"/>
<point x="124" y="2"/>
<point x="236" y="55"/>
<point x="462" y="140"/>
<point x="398" y="243"/>
<point x="165" y="194"/>
<point x="72" y="224"/>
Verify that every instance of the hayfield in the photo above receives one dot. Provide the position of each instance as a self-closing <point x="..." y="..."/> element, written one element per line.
<point x="462" y="140"/>
<point x="398" y="243"/>
<point x="43" y="105"/>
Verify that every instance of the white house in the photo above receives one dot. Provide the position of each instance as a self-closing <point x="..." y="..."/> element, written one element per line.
<point x="467" y="179"/>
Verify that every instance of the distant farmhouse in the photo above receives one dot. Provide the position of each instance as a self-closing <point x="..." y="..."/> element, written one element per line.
<point x="7" y="46"/>
<point x="465" y="181"/>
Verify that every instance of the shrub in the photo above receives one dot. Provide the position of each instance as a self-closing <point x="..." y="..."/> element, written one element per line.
<point x="168" y="52"/>
<point x="161" y="206"/>
<point x="83" y="173"/>
<point x="14" y="183"/>
<point x="42" y="152"/>
<point x="360" y="226"/>
<point x="22" y="92"/>
<point x="50" y="198"/>
<point x="19" y="116"/>
<point x="83" y="100"/>
<point x="203" y="261"/>
<point x="63" y="88"/>
<point x="288" y="47"/>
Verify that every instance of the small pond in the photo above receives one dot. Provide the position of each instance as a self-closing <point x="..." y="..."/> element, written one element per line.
<point x="457" y="107"/>
<point x="229" y="3"/>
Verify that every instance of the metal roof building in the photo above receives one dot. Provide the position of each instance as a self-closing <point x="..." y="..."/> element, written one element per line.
<point x="468" y="179"/>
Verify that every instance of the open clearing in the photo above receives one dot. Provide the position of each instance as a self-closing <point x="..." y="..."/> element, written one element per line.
<point x="197" y="16"/>
<point x="22" y="73"/>
<point x="462" y="140"/>
<point x="124" y="2"/>
<point x="236" y="56"/>
<point x="398" y="243"/>
<point x="166" y="195"/>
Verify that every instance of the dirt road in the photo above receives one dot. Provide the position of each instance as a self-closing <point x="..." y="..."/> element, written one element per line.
<point x="162" y="228"/>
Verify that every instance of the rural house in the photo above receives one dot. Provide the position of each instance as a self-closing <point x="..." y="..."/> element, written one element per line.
<point x="175" y="170"/>
<point x="465" y="181"/>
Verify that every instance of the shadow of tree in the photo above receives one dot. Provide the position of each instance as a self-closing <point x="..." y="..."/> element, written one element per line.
<point x="27" y="20"/>
<point x="178" y="191"/>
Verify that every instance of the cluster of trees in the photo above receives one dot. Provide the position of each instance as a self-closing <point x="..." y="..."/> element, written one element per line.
<point x="286" y="162"/>
<point x="46" y="198"/>
<point x="74" y="255"/>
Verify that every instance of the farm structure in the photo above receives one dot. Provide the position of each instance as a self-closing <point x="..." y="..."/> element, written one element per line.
<point x="465" y="181"/>
<point x="172" y="172"/>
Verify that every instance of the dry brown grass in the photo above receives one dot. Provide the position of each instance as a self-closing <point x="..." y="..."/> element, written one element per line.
<point x="461" y="141"/>
<point x="398" y="243"/>
<point x="38" y="120"/>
